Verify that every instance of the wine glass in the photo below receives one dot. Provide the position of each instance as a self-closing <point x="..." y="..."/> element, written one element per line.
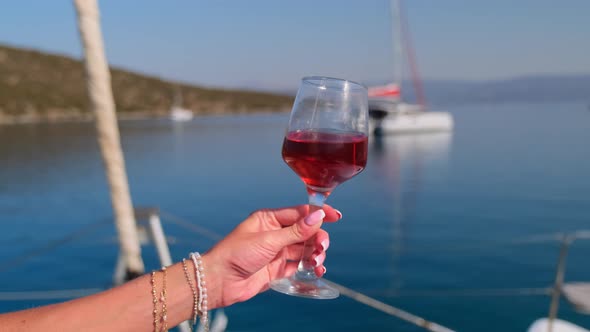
<point x="325" y="144"/>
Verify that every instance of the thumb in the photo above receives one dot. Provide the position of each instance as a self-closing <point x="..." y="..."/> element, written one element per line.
<point x="298" y="232"/>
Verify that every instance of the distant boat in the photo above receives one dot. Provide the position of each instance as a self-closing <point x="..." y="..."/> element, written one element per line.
<point x="180" y="114"/>
<point x="388" y="113"/>
<point x="177" y="112"/>
<point x="391" y="117"/>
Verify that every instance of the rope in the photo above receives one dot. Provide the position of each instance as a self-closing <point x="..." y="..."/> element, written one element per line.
<point x="468" y="249"/>
<point x="388" y="309"/>
<point x="48" y="295"/>
<point x="191" y="227"/>
<point x="471" y="292"/>
<point x="98" y="82"/>
<point x="6" y="265"/>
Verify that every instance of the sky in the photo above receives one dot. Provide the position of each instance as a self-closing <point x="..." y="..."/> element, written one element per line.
<point x="270" y="45"/>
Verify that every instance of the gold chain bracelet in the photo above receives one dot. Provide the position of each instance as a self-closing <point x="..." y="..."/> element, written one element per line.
<point x="164" y="326"/>
<point x="193" y="289"/>
<point x="155" y="300"/>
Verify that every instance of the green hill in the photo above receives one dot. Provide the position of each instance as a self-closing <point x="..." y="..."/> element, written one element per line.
<point x="40" y="86"/>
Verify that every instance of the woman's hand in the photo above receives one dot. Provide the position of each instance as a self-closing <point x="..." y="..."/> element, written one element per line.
<point x="264" y="247"/>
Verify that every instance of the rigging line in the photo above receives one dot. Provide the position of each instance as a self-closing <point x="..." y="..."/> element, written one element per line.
<point x="468" y="292"/>
<point x="190" y="226"/>
<point x="552" y="238"/>
<point x="6" y="265"/>
<point x="469" y="250"/>
<point x="388" y="309"/>
<point x="48" y="295"/>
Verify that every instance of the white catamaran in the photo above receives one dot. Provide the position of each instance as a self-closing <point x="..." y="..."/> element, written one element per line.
<point x="389" y="114"/>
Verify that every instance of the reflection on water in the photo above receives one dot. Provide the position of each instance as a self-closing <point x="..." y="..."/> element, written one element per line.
<point x="409" y="216"/>
<point x="424" y="146"/>
<point x="178" y="132"/>
<point x="400" y="162"/>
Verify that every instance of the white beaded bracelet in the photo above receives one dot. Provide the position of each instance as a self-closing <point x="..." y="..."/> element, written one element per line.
<point x="202" y="305"/>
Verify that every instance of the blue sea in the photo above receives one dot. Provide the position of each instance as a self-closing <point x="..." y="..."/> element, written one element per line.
<point x="450" y="227"/>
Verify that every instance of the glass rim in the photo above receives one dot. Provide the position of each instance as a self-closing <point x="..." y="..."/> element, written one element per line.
<point x="310" y="79"/>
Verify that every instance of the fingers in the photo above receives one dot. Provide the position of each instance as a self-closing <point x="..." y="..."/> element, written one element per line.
<point x="320" y="271"/>
<point x="321" y="243"/>
<point x="332" y="214"/>
<point x="293" y="252"/>
<point x="297" y="232"/>
<point x="322" y="240"/>
<point x="291" y="268"/>
<point x="289" y="216"/>
<point x="318" y="259"/>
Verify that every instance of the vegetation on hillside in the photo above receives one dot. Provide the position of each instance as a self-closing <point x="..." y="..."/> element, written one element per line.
<point x="40" y="85"/>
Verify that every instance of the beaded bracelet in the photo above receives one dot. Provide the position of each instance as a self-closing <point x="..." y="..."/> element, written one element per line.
<point x="202" y="303"/>
<point x="193" y="289"/>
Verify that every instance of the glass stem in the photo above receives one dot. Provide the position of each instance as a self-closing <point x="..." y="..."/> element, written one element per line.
<point x="305" y="269"/>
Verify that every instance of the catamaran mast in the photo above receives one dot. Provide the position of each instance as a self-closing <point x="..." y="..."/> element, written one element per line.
<point x="398" y="64"/>
<point x="402" y="43"/>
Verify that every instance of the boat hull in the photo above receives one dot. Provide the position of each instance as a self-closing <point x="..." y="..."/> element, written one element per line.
<point x="180" y="114"/>
<point x="391" y="116"/>
<point x="412" y="122"/>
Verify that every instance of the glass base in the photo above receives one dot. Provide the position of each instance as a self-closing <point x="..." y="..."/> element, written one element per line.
<point x="313" y="289"/>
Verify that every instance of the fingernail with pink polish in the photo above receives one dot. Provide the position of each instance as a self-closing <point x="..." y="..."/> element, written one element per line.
<point x="315" y="217"/>
<point x="325" y="244"/>
<point x="339" y="214"/>
<point x="319" y="260"/>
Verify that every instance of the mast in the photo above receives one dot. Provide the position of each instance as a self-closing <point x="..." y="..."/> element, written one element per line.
<point x="398" y="63"/>
<point x="402" y="43"/>
<point x="98" y="83"/>
<point x="411" y="55"/>
<point x="178" y="102"/>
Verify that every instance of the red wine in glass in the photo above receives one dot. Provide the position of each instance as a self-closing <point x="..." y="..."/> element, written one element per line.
<point x="325" y="144"/>
<point x="324" y="160"/>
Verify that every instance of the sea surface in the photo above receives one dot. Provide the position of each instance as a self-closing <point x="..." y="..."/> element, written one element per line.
<point x="456" y="228"/>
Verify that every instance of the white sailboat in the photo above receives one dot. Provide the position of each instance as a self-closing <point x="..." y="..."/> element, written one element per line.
<point x="389" y="114"/>
<point x="179" y="113"/>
